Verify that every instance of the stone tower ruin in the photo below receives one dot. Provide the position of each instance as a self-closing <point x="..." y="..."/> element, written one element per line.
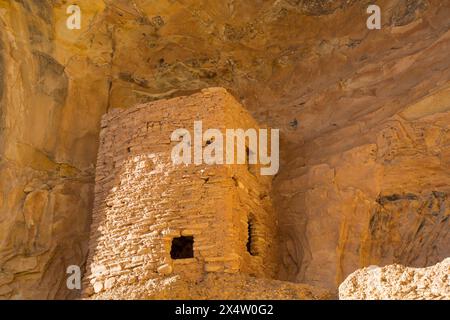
<point x="161" y="230"/>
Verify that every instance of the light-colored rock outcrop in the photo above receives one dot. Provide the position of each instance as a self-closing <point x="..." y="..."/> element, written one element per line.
<point x="397" y="282"/>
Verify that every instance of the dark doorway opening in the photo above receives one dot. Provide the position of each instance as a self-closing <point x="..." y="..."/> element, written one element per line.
<point x="182" y="248"/>
<point x="251" y="235"/>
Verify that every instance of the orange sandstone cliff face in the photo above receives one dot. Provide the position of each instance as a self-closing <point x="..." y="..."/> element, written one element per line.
<point x="364" y="118"/>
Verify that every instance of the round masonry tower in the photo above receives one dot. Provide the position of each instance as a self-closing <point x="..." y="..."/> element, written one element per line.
<point x="159" y="229"/>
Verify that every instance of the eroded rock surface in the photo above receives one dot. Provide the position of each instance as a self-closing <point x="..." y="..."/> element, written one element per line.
<point x="398" y="282"/>
<point x="54" y="89"/>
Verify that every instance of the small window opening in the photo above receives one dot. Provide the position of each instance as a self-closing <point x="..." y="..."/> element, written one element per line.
<point x="182" y="248"/>
<point x="251" y="237"/>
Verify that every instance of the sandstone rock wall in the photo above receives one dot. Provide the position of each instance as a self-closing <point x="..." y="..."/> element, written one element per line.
<point x="363" y="116"/>
<point x="54" y="89"/>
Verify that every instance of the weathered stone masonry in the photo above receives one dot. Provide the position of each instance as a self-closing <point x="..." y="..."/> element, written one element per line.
<point x="161" y="230"/>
